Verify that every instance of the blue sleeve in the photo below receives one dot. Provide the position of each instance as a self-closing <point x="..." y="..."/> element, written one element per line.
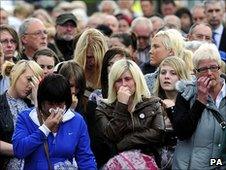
<point x="83" y="154"/>
<point x="25" y="141"/>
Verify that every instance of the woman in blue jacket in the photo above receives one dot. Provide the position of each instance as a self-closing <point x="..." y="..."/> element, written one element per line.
<point x="51" y="135"/>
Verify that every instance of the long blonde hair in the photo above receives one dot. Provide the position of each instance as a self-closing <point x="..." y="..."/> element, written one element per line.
<point x="94" y="39"/>
<point x="118" y="68"/>
<point x="20" y="67"/>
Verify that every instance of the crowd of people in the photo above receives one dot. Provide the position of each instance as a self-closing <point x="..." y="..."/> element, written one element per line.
<point x="113" y="90"/>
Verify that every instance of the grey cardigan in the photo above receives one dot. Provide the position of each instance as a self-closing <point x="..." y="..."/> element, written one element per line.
<point x="207" y="140"/>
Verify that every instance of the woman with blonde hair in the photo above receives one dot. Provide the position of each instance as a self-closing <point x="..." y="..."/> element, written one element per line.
<point x="140" y="89"/>
<point x="130" y="117"/>
<point x="100" y="146"/>
<point x="24" y="79"/>
<point x="171" y="70"/>
<point x="174" y="66"/>
<point x="89" y="53"/>
<point x="174" y="43"/>
<point x="165" y="44"/>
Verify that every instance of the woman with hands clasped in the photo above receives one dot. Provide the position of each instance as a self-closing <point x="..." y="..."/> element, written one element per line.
<point x="24" y="78"/>
<point x="130" y="117"/>
<point x="199" y="112"/>
<point x="52" y="135"/>
<point x="171" y="70"/>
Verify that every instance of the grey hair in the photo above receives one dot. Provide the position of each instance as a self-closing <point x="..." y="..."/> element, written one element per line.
<point x="24" y="26"/>
<point x="197" y="6"/>
<point x="222" y="3"/>
<point x="141" y="20"/>
<point x="192" y="28"/>
<point x="113" y="4"/>
<point x="172" y="22"/>
<point x="206" y="51"/>
<point x="156" y="18"/>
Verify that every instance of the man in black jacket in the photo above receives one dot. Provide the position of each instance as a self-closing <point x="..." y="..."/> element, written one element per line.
<point x="66" y="28"/>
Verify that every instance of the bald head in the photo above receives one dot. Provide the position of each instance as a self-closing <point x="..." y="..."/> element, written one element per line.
<point x="200" y="32"/>
<point x="172" y="21"/>
<point x="198" y="14"/>
<point x="112" y="22"/>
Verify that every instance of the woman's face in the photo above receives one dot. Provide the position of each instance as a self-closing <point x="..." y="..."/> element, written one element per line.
<point x="209" y="68"/>
<point x="158" y="51"/>
<point x="23" y="84"/>
<point x="90" y="60"/>
<point x="168" y="78"/>
<point x="74" y="92"/>
<point x="74" y="89"/>
<point x="8" y="44"/>
<point x="126" y="80"/>
<point x="185" y="22"/>
<point x="46" y="63"/>
<point x="123" y="26"/>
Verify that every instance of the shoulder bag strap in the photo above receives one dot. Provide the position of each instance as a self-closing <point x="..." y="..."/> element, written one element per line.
<point x="219" y="119"/>
<point x="46" y="147"/>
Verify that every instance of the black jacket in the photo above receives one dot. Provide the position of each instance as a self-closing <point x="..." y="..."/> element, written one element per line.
<point x="6" y="125"/>
<point x="143" y="129"/>
<point x="63" y="49"/>
<point x="183" y="118"/>
<point x="222" y="46"/>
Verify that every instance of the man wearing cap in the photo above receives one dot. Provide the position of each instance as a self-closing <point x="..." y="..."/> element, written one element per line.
<point x="66" y="28"/>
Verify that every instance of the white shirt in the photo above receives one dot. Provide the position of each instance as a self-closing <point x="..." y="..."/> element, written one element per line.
<point x="221" y="95"/>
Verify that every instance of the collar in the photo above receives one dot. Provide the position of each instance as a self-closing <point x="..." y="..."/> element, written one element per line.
<point x="62" y="41"/>
<point x="219" y="30"/>
<point x="66" y="117"/>
<point x="219" y="97"/>
<point x="25" y="56"/>
<point x="222" y="93"/>
<point x="145" y="49"/>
